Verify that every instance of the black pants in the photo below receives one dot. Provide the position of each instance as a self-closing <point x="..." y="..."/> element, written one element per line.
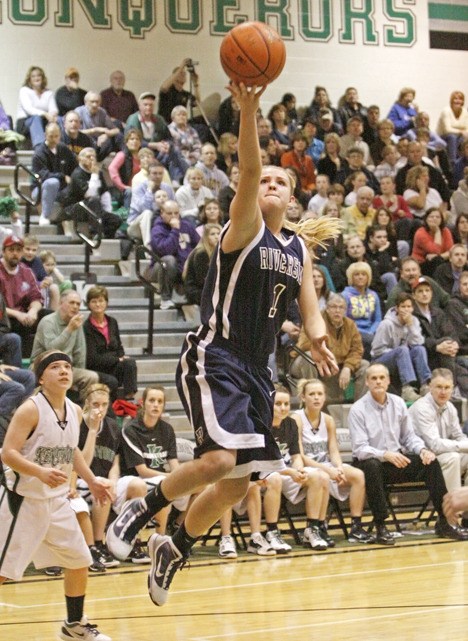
<point x="124" y="374"/>
<point x="378" y="474"/>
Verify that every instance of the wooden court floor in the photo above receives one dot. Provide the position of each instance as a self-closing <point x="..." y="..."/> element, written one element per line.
<point x="416" y="591"/>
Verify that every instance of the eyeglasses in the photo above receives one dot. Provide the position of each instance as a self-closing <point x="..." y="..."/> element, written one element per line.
<point x="339" y="307"/>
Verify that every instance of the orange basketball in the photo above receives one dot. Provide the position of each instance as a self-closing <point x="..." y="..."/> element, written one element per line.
<point x="252" y="53"/>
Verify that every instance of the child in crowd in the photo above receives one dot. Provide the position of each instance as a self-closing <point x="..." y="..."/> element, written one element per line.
<point x="49" y="291"/>
<point x="59" y="283"/>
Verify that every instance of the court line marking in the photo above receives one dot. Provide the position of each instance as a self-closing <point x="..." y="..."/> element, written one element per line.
<point x="317" y="577"/>
<point x="253" y="632"/>
<point x="10" y="605"/>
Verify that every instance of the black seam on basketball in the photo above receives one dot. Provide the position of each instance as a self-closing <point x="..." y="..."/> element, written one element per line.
<point x="250" y="60"/>
<point x="267" y="48"/>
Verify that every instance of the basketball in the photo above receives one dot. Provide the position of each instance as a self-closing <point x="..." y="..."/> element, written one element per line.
<point x="252" y="53"/>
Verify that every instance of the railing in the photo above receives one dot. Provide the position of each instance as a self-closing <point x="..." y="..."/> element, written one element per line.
<point x="81" y="213"/>
<point x="141" y="253"/>
<point x="28" y="199"/>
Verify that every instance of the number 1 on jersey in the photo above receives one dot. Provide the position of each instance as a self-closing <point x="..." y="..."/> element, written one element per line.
<point x="278" y="290"/>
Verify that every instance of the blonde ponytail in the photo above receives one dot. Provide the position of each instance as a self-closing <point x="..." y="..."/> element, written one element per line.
<point x="316" y="231"/>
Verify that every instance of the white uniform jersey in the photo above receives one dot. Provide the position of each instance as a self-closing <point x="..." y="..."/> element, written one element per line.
<point x="51" y="444"/>
<point x="314" y="442"/>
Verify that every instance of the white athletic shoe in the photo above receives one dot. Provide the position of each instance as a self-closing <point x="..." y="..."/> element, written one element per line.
<point x="227" y="548"/>
<point x="259" y="545"/>
<point x="122" y="533"/>
<point x="277" y="542"/>
<point x="82" y="630"/>
<point x="166" y="559"/>
<point x="43" y="221"/>
<point x="313" y="538"/>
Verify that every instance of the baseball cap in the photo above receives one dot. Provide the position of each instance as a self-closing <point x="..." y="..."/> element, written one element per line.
<point x="420" y="281"/>
<point x="147" y="94"/>
<point x="12" y="240"/>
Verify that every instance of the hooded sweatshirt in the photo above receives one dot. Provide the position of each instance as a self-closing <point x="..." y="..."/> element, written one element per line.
<point x="391" y="334"/>
<point x="364" y="309"/>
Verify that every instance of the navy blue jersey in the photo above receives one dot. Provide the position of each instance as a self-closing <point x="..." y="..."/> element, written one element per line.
<point x="247" y="292"/>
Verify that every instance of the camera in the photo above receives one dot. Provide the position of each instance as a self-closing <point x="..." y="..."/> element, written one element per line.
<point x="191" y="65"/>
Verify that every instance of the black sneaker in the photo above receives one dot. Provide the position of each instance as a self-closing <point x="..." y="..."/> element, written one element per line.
<point x="447" y="531"/>
<point x="53" y="570"/>
<point x="96" y="565"/>
<point x="139" y="554"/>
<point x="166" y="559"/>
<point x="358" y="534"/>
<point x="122" y="533"/>
<point x="325" y="536"/>
<point x="107" y="559"/>
<point x="383" y="536"/>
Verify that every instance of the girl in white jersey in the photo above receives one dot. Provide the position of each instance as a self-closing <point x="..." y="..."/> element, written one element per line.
<point x="36" y="521"/>
<point x="319" y="448"/>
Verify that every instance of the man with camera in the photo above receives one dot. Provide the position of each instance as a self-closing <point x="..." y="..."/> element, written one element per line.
<point x="172" y="92"/>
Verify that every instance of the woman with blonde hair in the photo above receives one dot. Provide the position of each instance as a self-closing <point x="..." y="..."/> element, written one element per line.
<point x="362" y="303"/>
<point x="453" y="124"/>
<point x="332" y="163"/>
<point x="223" y="376"/>
<point x="227" y="151"/>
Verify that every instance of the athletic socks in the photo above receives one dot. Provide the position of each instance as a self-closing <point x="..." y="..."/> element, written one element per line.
<point x="272" y="527"/>
<point x="313" y="523"/>
<point x="75" y="605"/>
<point x="183" y="541"/>
<point x="155" y="500"/>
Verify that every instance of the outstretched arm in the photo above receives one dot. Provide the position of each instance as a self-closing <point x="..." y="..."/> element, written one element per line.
<point x="245" y="215"/>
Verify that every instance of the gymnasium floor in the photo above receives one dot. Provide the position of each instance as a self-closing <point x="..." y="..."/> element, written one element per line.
<point x="417" y="590"/>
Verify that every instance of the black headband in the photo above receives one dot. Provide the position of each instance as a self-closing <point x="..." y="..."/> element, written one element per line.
<point x="51" y="358"/>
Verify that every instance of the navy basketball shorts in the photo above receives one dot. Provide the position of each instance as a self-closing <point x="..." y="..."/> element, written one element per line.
<point x="229" y="403"/>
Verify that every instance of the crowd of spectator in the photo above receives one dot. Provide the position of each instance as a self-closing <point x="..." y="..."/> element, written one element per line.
<point x="393" y="288"/>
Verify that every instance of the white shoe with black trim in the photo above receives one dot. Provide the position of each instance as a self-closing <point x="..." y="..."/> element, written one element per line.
<point x="313" y="538"/>
<point x="259" y="545"/>
<point x="166" y="559"/>
<point x="277" y="542"/>
<point x="82" y="630"/>
<point x="227" y="547"/>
